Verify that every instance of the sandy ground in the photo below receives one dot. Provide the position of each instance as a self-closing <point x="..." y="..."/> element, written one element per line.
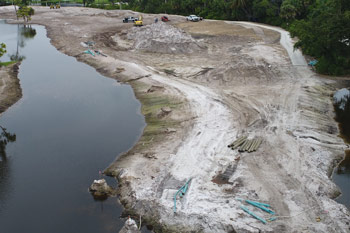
<point x="215" y="81"/>
<point x="10" y="90"/>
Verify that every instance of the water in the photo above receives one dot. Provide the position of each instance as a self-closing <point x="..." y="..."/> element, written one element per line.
<point x="341" y="175"/>
<point x="70" y="124"/>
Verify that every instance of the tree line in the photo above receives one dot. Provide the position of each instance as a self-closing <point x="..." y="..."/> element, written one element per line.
<point x="322" y="26"/>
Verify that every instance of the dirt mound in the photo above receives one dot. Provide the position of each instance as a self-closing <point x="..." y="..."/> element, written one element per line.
<point x="163" y="38"/>
<point x="239" y="70"/>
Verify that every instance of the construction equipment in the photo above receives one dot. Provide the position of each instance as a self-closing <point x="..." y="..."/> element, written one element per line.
<point x="138" y="22"/>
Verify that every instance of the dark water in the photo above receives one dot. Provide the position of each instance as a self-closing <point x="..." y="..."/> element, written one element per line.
<point x="70" y="124"/>
<point x="341" y="175"/>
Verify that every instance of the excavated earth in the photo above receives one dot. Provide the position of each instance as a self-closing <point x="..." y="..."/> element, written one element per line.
<point x="10" y="89"/>
<point x="202" y="85"/>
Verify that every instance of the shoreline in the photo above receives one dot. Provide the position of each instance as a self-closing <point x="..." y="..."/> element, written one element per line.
<point x="10" y="88"/>
<point x="130" y="180"/>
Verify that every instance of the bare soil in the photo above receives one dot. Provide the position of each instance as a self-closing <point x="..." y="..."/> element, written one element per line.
<point x="10" y="89"/>
<point x="229" y="79"/>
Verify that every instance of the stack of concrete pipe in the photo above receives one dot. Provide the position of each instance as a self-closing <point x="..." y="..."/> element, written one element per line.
<point x="246" y="144"/>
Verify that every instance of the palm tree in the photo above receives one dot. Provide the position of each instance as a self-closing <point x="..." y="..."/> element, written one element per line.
<point x="239" y="4"/>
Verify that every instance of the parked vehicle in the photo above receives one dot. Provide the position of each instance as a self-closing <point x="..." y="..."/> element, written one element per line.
<point x="165" y="19"/>
<point x="193" y="18"/>
<point x="138" y="22"/>
<point x="129" y="19"/>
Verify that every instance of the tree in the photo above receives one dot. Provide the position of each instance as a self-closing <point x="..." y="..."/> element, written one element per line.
<point x="25" y="12"/>
<point x="263" y="9"/>
<point x="288" y="10"/>
<point x="325" y="35"/>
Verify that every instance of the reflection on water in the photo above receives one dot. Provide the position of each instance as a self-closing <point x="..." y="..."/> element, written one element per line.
<point x="341" y="176"/>
<point x="70" y="124"/>
<point x="342" y="109"/>
<point x="5" y="137"/>
<point x="15" y="38"/>
<point x="344" y="166"/>
<point x="5" y="185"/>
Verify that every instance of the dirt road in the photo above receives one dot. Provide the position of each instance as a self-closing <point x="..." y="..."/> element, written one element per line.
<point x="220" y="80"/>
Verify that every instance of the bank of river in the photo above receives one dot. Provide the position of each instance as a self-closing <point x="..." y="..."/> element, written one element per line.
<point x="341" y="175"/>
<point x="70" y="124"/>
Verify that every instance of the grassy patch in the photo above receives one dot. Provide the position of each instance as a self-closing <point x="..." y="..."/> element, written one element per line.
<point x="151" y="105"/>
<point x="7" y="63"/>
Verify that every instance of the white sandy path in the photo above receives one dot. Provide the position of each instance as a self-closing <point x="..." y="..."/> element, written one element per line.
<point x="286" y="41"/>
<point x="208" y="137"/>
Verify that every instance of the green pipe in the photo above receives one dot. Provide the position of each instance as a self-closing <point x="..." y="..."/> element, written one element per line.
<point x="182" y="192"/>
<point x="253" y="214"/>
<point x="238" y="144"/>
<point x="251" y="149"/>
<point x="238" y="141"/>
<point x="258" y="144"/>
<point x="260" y="206"/>
<point x="259" y="203"/>
<point x="248" y="145"/>
<point x="252" y="145"/>
<point x="244" y="144"/>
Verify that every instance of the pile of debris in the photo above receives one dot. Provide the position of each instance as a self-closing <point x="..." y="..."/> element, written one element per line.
<point x="101" y="190"/>
<point x="163" y="38"/>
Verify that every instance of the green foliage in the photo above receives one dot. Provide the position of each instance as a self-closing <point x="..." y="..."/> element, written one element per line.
<point x="2" y="49"/>
<point x="322" y="26"/>
<point x="104" y="6"/>
<point x="288" y="10"/>
<point x="7" y="63"/>
<point x="25" y="12"/>
<point x="325" y="34"/>
<point x="264" y="8"/>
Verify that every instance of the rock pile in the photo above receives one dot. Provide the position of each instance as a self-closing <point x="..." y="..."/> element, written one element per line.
<point x="163" y="38"/>
<point x="129" y="227"/>
<point x="100" y="189"/>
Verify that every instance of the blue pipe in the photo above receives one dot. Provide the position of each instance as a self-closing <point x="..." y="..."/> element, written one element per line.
<point x="260" y="206"/>
<point x="252" y="214"/>
<point x="183" y="190"/>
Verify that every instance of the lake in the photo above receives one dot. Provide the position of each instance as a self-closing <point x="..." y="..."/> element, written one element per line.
<point x="70" y="124"/>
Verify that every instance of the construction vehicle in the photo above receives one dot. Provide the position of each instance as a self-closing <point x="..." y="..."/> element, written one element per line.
<point x="138" y="22"/>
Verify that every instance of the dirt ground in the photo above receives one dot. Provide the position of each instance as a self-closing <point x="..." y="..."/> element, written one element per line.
<point x="202" y="85"/>
<point x="10" y="89"/>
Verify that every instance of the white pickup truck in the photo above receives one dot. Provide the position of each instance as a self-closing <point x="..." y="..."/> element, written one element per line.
<point x="193" y="18"/>
<point x="129" y="19"/>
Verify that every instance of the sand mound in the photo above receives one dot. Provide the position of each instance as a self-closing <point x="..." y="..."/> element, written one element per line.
<point x="163" y="38"/>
